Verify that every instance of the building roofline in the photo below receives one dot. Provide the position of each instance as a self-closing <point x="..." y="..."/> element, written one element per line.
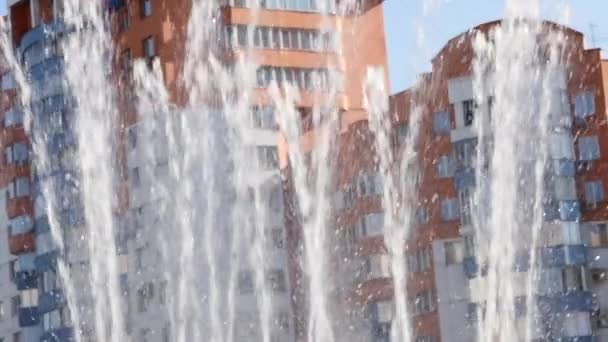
<point x="487" y="26"/>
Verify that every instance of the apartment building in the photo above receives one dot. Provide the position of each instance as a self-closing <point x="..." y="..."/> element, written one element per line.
<point x="292" y="41"/>
<point x="445" y="282"/>
<point x="17" y="249"/>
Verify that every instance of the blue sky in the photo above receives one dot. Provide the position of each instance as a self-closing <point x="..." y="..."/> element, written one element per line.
<point x="405" y="21"/>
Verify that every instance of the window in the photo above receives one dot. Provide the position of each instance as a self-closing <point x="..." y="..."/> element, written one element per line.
<point x="58" y="9"/>
<point x="126" y="62"/>
<point x="19" y="188"/>
<point x="29" y="298"/>
<point x="144" y="333"/>
<point x="139" y="258"/>
<point x="454" y="252"/>
<point x="378" y="266"/>
<point x="245" y="282"/>
<point x="162" y="292"/>
<point x="132" y="137"/>
<point x="149" y="48"/>
<point x="8" y="81"/>
<point x="282" y="321"/>
<point x="124" y="18"/>
<point x="469" y="245"/>
<point x="584" y="105"/>
<point x="422" y="215"/>
<point x="15" y="305"/>
<point x="135" y="177"/>
<point x="263" y="117"/>
<point x="13" y="117"/>
<point x="2" y="311"/>
<point x="594" y="192"/>
<point x="423" y="303"/>
<point x="450" y="210"/>
<point x="466" y="152"/>
<point x="465" y="200"/>
<point x="35" y="12"/>
<point x="278" y="241"/>
<point x="17" y="337"/>
<point x="12" y="269"/>
<point x="588" y="148"/>
<point x="468" y="112"/>
<point x="16" y="154"/>
<point x="146" y="8"/>
<point x="599" y="235"/>
<point x="268" y="157"/>
<point x="20" y="225"/>
<point x="297" y="77"/>
<point x="276" y="280"/>
<point x="561" y="146"/>
<point x="372" y="225"/>
<point x="421" y="260"/>
<point x="145" y="294"/>
<point x="445" y="167"/>
<point x="572" y="278"/>
<point x="400" y="133"/>
<point x="441" y="123"/>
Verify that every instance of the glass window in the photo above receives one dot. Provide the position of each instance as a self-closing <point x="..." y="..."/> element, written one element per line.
<point x="584" y="105"/>
<point x="15" y="305"/>
<point x="135" y="177"/>
<point x="278" y="241"/>
<point x="373" y="224"/>
<point x="245" y="283"/>
<point x="588" y="148"/>
<point x="466" y="152"/>
<point x="401" y="130"/>
<point x="441" y="123"/>
<point x="124" y="18"/>
<point x="20" y="225"/>
<point x="29" y="298"/>
<point x="454" y="252"/>
<point x="561" y="146"/>
<point x="445" y="167"/>
<point x="450" y="210"/>
<point x="35" y="12"/>
<point x="468" y="112"/>
<point x="276" y="280"/>
<point x="13" y="118"/>
<point x="268" y="157"/>
<point x="594" y="192"/>
<point x="422" y="216"/>
<point x="146" y="8"/>
<point x="149" y="48"/>
<point x="286" y="39"/>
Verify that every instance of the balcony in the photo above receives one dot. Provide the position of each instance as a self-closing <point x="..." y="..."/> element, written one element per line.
<point x="47" y="261"/>
<point x="471" y="269"/>
<point x="23" y="243"/>
<point x="566" y="255"/>
<point x="464" y="178"/>
<point x="564" y="167"/>
<point x="50" y="301"/>
<point x="570" y="210"/>
<point x="28" y="317"/>
<point x="49" y="66"/>
<point x="26" y="280"/>
<point x="571" y="301"/>
<point x="597" y="258"/>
